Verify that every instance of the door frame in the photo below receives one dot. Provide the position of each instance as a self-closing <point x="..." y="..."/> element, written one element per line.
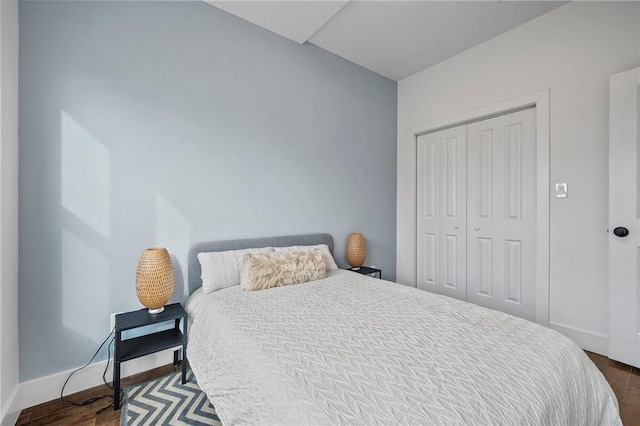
<point x="540" y="100"/>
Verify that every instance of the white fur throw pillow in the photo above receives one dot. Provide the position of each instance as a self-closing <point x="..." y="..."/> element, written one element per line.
<point x="268" y="270"/>
<point x="328" y="258"/>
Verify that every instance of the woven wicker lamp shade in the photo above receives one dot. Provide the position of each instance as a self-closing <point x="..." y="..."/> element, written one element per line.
<point x="356" y="250"/>
<point x="154" y="279"/>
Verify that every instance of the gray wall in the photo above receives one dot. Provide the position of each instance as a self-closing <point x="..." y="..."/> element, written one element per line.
<point x="169" y="123"/>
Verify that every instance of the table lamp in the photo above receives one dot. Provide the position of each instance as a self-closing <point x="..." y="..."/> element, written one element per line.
<point x="154" y="279"/>
<point x="356" y="250"/>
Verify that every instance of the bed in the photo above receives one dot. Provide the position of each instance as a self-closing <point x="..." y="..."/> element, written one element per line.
<point x="350" y="349"/>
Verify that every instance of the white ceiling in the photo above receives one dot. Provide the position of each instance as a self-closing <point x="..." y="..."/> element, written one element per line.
<point x="393" y="38"/>
<point x="295" y="20"/>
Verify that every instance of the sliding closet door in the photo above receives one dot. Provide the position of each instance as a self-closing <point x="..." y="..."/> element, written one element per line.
<point x="501" y="209"/>
<point x="441" y="212"/>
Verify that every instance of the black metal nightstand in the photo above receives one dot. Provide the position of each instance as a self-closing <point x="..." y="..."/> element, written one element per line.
<point x="365" y="270"/>
<point x="129" y="349"/>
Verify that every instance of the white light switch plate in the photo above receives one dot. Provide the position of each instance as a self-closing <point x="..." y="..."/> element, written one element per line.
<point x="562" y="190"/>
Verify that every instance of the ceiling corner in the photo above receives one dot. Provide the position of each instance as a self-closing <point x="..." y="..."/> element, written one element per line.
<point x="276" y="16"/>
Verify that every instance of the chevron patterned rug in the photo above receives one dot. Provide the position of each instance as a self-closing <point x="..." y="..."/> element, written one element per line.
<point x="166" y="401"/>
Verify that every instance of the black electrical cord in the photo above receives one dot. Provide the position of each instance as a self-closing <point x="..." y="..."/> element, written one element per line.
<point x="94" y="399"/>
<point x="104" y="377"/>
<point x="104" y="373"/>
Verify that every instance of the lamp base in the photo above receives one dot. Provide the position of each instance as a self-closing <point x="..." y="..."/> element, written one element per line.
<point x="356" y="268"/>
<point x="156" y="311"/>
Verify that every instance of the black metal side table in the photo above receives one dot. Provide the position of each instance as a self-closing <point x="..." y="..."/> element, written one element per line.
<point x="365" y="270"/>
<point x="136" y="347"/>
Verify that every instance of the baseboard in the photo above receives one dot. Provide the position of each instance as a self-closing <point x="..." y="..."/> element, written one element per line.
<point x="11" y="410"/>
<point x="44" y="389"/>
<point x="588" y="340"/>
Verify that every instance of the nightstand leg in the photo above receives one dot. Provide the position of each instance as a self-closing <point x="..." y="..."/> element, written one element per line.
<point x="184" y="351"/>
<point x="175" y="353"/>
<point x="116" y="373"/>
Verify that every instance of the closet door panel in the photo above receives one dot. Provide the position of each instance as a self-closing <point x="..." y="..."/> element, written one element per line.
<point x="502" y="175"/>
<point x="453" y="214"/>
<point x="484" y="203"/>
<point x="519" y="291"/>
<point x="441" y="212"/>
<point x="428" y="214"/>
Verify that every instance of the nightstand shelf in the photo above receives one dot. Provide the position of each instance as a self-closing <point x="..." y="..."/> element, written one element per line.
<point x="128" y="349"/>
<point x="151" y="343"/>
<point x="366" y="270"/>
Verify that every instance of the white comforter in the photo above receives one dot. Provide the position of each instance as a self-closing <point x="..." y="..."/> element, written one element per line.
<point x="351" y="349"/>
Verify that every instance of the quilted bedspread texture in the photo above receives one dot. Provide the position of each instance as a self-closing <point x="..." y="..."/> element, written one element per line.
<point x="350" y="349"/>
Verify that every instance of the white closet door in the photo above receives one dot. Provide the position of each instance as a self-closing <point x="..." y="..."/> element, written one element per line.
<point x="442" y="204"/>
<point x="501" y="209"/>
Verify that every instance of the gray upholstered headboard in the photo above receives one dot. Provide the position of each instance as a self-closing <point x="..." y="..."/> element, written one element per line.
<point x="290" y="240"/>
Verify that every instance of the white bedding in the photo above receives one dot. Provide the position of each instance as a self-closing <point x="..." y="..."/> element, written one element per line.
<point x="350" y="349"/>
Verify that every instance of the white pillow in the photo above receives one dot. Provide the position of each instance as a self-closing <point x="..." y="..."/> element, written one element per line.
<point x="328" y="259"/>
<point x="221" y="269"/>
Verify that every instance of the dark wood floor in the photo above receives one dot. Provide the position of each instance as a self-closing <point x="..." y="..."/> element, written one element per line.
<point x="624" y="380"/>
<point x="61" y="413"/>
